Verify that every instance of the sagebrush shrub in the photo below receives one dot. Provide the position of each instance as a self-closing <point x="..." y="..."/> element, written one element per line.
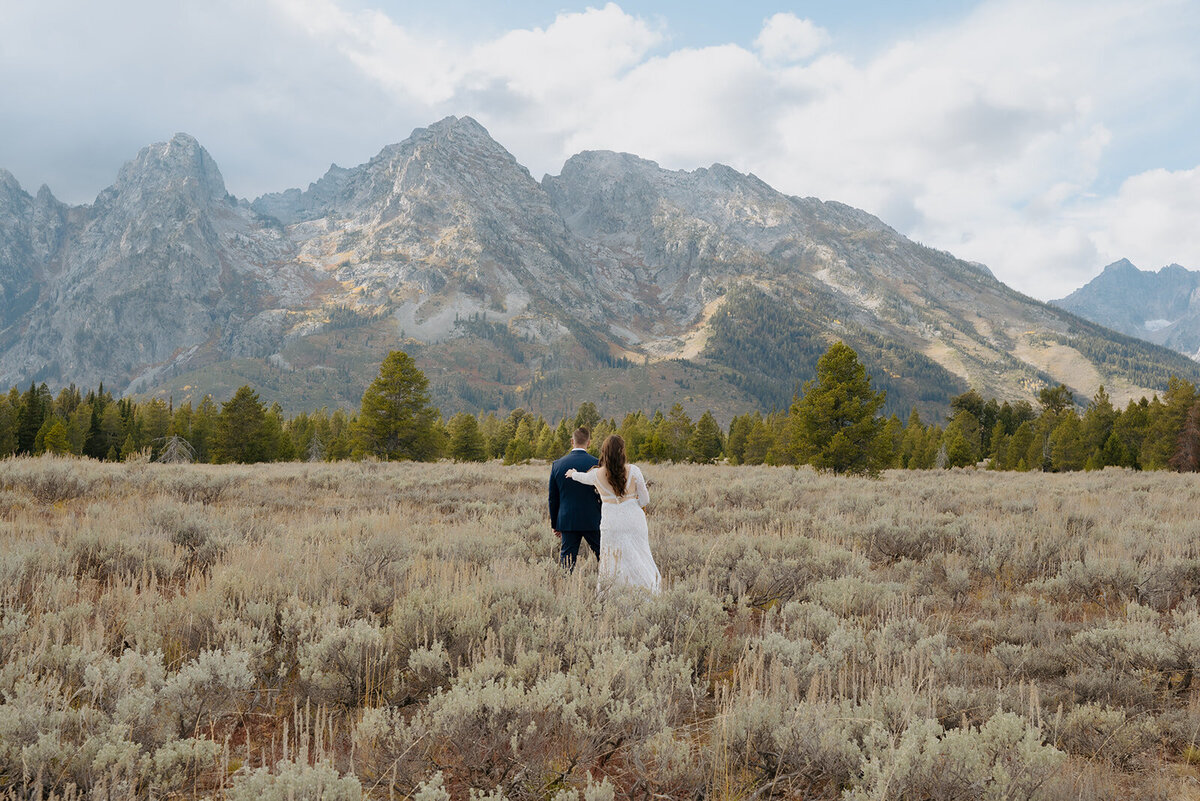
<point x="296" y="782"/>
<point x="1002" y="760"/>
<point x="1106" y="733"/>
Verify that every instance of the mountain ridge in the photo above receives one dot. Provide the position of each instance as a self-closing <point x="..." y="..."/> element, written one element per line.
<point x="606" y="281"/>
<point x="1162" y="307"/>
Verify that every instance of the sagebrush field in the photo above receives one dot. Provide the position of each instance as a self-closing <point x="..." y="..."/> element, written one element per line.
<point x="385" y="630"/>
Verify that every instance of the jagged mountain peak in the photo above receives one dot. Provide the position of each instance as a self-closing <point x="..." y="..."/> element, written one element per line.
<point x="601" y="166"/>
<point x="602" y="193"/>
<point x="452" y="145"/>
<point x="1162" y="307"/>
<point x="448" y="139"/>
<point x="1121" y="266"/>
<point x="452" y="126"/>
<point x="9" y="182"/>
<point x="607" y="162"/>
<point x="1125" y="274"/>
<point x="455" y="154"/>
<point x="180" y="165"/>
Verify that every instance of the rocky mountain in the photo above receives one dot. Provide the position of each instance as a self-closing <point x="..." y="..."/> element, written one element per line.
<point x="615" y="281"/>
<point x="1161" y="307"/>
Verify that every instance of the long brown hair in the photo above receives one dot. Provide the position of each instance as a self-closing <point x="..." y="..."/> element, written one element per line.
<point x="612" y="459"/>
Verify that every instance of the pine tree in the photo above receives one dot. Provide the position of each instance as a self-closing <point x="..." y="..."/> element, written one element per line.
<point x="520" y="447"/>
<point x="8" y="428"/>
<point x="128" y="447"/>
<point x="834" y="425"/>
<point x="963" y="439"/>
<point x="55" y="440"/>
<point x="112" y="432"/>
<point x="1098" y="423"/>
<point x="1018" y="448"/>
<point x="1130" y="430"/>
<point x="1068" y="450"/>
<point x="739" y="431"/>
<point x="1114" y="453"/>
<point x="277" y="445"/>
<point x="39" y="439"/>
<point x="603" y="429"/>
<point x="341" y="436"/>
<point x="782" y="450"/>
<point x="635" y="430"/>
<point x="396" y="420"/>
<point x="78" y="427"/>
<point x="30" y="416"/>
<point x="562" y="437"/>
<point x="1037" y="455"/>
<point x="587" y="416"/>
<point x="998" y="446"/>
<point x="1055" y="399"/>
<point x="1098" y="419"/>
<point x="1166" y="420"/>
<point x="1186" y="458"/>
<point x="67" y="401"/>
<point x="241" y="434"/>
<point x="204" y="428"/>
<point x="546" y="446"/>
<point x="674" y="431"/>
<point x="93" y="442"/>
<point x="154" y="418"/>
<point x="466" y="441"/>
<point x="1011" y="415"/>
<point x="912" y="444"/>
<point x="705" y="443"/>
<point x="759" y="441"/>
<point x="498" y="445"/>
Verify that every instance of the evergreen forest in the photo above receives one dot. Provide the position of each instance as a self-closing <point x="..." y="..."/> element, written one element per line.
<point x="835" y="422"/>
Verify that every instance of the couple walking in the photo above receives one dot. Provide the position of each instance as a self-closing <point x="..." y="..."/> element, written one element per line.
<point x="585" y="504"/>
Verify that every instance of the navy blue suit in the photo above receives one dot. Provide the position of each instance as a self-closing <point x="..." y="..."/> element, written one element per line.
<point x="574" y="507"/>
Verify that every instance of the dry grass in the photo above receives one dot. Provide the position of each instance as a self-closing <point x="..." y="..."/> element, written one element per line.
<point x="346" y="630"/>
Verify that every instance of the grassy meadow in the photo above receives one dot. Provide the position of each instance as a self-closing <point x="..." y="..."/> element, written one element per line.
<point x="385" y="631"/>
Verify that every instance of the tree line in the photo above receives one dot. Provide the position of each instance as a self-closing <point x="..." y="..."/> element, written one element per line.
<point x="833" y="424"/>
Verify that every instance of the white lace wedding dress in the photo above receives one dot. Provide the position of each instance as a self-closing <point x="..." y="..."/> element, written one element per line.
<point x="625" y="558"/>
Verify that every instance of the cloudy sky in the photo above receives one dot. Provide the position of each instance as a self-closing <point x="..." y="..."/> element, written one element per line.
<point x="1043" y="138"/>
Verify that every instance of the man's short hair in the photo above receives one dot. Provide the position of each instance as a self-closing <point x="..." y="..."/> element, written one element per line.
<point x="581" y="436"/>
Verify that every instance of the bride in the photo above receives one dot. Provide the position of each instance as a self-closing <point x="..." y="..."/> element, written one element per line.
<point x="625" y="557"/>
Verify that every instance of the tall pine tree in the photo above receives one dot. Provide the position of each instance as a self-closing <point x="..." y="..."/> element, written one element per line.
<point x="241" y="434"/>
<point x="397" y="421"/>
<point x="834" y="426"/>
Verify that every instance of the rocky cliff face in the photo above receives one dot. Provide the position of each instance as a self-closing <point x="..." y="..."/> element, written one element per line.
<point x="1161" y="307"/>
<point x="614" y="280"/>
<point x="164" y="269"/>
<point x="31" y="232"/>
<point x="444" y="224"/>
<point x="681" y="240"/>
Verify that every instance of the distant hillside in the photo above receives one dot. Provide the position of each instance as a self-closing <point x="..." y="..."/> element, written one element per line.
<point x="615" y="281"/>
<point x="1161" y="307"/>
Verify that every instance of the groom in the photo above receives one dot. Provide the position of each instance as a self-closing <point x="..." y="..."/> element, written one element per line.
<point x="574" y="507"/>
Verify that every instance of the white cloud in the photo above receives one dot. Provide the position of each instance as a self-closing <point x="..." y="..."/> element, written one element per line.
<point x="1002" y="136"/>
<point x="686" y="109"/>
<point x="1153" y="220"/>
<point x="384" y="51"/>
<point x="987" y="137"/>
<point x="787" y="38"/>
<point x="562" y="61"/>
